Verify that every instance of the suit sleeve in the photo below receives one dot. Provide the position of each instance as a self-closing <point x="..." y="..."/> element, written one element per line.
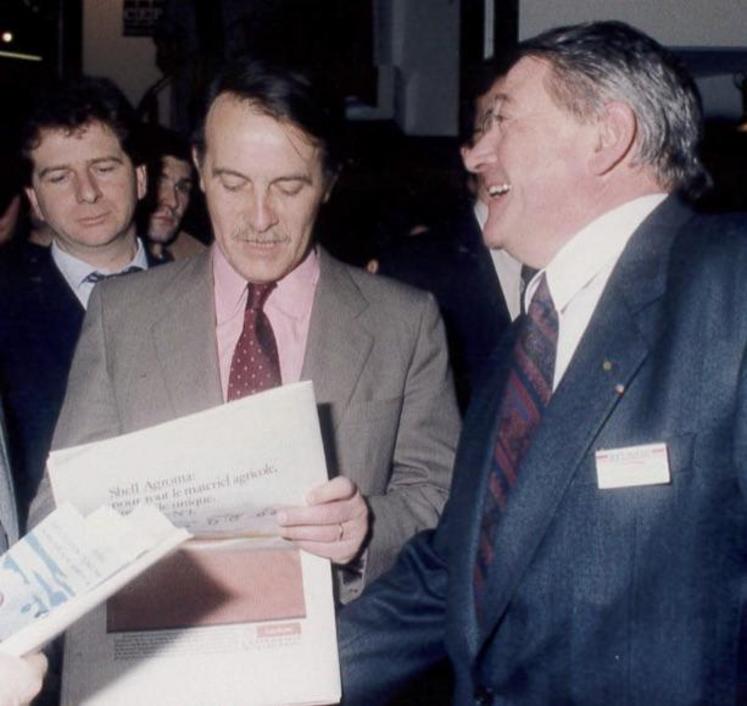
<point x="424" y="447"/>
<point x="89" y="412"/>
<point x="396" y="629"/>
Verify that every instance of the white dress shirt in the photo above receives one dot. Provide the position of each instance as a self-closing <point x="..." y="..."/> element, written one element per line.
<point x="507" y="268"/>
<point x="75" y="271"/>
<point x="578" y="273"/>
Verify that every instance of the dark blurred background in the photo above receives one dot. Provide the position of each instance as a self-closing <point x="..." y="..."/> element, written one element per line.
<point x="401" y="68"/>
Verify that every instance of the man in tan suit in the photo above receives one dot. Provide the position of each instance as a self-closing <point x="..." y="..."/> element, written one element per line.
<point x="160" y="346"/>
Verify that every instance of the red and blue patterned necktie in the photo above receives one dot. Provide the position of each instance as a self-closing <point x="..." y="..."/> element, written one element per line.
<point x="527" y="392"/>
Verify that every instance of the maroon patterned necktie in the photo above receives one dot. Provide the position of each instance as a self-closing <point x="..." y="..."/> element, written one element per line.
<point x="528" y="390"/>
<point x="255" y="365"/>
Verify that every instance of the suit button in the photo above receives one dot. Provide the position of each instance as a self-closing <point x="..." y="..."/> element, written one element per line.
<point x="483" y="696"/>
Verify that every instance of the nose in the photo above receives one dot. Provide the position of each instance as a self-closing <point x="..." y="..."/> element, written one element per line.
<point x="481" y="154"/>
<point x="263" y="215"/>
<point x="167" y="196"/>
<point x="86" y="188"/>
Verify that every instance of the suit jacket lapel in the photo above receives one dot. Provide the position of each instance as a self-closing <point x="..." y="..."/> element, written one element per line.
<point x="184" y="338"/>
<point x="338" y="344"/>
<point x="609" y="355"/>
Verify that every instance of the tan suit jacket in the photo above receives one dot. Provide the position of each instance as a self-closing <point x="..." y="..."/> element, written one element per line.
<point x="376" y="354"/>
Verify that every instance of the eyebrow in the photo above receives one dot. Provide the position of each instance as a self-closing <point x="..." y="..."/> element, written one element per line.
<point x="98" y="160"/>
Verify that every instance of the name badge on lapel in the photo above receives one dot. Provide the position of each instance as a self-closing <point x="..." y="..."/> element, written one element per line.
<point x="630" y="466"/>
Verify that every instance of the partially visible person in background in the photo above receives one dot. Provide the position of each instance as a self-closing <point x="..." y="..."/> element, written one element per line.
<point x="83" y="181"/>
<point x="170" y="182"/>
<point x="477" y="288"/>
<point x="11" y="191"/>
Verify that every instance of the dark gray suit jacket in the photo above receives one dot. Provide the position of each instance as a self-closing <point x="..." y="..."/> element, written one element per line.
<point x="376" y="354"/>
<point x="631" y="596"/>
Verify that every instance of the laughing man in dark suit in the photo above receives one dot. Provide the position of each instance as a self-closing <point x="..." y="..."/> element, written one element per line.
<point x="593" y="550"/>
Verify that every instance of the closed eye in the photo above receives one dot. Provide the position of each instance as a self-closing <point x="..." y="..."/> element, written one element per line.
<point x="290" y="187"/>
<point x="106" y="166"/>
<point x="56" y="177"/>
<point x="231" y="182"/>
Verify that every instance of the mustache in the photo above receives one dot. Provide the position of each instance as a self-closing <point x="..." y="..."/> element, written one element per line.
<point x="248" y="234"/>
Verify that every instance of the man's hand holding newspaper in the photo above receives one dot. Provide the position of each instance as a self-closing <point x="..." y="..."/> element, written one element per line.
<point x="333" y="525"/>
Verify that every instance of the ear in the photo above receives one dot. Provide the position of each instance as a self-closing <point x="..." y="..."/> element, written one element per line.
<point x="31" y="195"/>
<point x="464" y="151"/>
<point x="617" y="128"/>
<point x="197" y="161"/>
<point x="141" y="180"/>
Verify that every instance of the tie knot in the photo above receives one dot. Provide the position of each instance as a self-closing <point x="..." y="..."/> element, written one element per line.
<point x="542" y="304"/>
<point x="96" y="276"/>
<point x="527" y="273"/>
<point x="257" y="293"/>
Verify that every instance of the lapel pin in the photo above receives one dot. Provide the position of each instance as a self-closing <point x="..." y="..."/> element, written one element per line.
<point x="607" y="366"/>
<point x="620" y="389"/>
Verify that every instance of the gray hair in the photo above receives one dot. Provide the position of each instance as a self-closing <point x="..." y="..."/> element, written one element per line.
<point x="598" y="62"/>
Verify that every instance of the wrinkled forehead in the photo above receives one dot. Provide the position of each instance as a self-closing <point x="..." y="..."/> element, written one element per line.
<point x="231" y="119"/>
<point x="230" y="105"/>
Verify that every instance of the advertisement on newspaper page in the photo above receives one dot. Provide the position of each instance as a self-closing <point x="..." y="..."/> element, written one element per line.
<point x="69" y="563"/>
<point x="236" y="615"/>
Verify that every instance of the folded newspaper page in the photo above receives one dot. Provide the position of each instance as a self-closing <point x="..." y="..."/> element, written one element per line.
<point x="236" y="616"/>
<point x="68" y="564"/>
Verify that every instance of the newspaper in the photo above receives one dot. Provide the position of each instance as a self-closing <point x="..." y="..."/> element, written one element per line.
<point x="69" y="563"/>
<point x="238" y="615"/>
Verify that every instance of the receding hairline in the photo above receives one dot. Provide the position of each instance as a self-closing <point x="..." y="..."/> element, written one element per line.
<point x="256" y="107"/>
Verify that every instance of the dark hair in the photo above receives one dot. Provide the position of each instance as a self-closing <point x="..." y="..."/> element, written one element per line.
<point x="74" y="103"/>
<point x="478" y="81"/>
<point x="11" y="183"/>
<point x="598" y="62"/>
<point x="286" y="95"/>
<point x="152" y="142"/>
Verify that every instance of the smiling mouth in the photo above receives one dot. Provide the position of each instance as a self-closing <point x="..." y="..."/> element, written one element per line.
<point x="497" y="190"/>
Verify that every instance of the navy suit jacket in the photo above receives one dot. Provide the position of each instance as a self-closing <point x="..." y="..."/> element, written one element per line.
<point x="40" y="320"/>
<point x="452" y="263"/>
<point x="628" y="596"/>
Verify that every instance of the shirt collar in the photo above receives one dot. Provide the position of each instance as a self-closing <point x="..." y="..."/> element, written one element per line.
<point x="293" y="294"/>
<point x="596" y="246"/>
<point x="75" y="270"/>
<point x="481" y="213"/>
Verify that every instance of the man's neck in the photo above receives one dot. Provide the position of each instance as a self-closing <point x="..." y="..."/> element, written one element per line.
<point x="112" y="257"/>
